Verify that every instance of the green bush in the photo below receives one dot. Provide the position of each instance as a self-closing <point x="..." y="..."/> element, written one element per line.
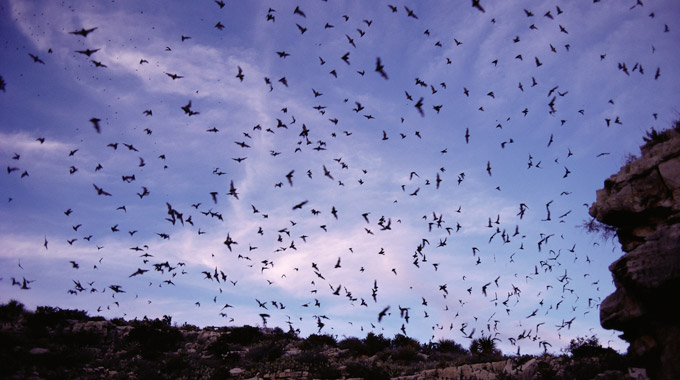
<point x="118" y="321"/>
<point x="545" y="371"/>
<point x="277" y="334"/>
<point x="244" y="335"/>
<point x="366" y="371"/>
<point x="449" y="346"/>
<point x="154" y="337"/>
<point x="326" y="372"/>
<point x="375" y="343"/>
<point x="400" y="340"/>
<point x="485" y="348"/>
<point x="317" y="364"/>
<point x="590" y="358"/>
<point x="222" y="346"/>
<point x="316" y="341"/>
<point x="583" y="347"/>
<point x="354" y="345"/>
<point x="406" y="354"/>
<point x="11" y="359"/>
<point x="264" y="352"/>
<point x="11" y="311"/>
<point x="75" y="340"/>
<point x="51" y="317"/>
<point x="653" y="137"/>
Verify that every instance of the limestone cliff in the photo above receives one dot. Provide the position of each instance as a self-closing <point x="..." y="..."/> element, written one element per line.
<point x="642" y="202"/>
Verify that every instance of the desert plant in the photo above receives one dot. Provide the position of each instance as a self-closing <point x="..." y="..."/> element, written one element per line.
<point x="316" y="341"/>
<point x="589" y="347"/>
<point x="365" y="370"/>
<point x="545" y="371"/>
<point x="406" y="354"/>
<point x="264" y="352"/>
<point x="11" y="310"/>
<point x="244" y="335"/>
<point x="484" y="347"/>
<point x="653" y="137"/>
<point x="317" y="364"/>
<point x="400" y="340"/>
<point x="154" y="337"/>
<point x="118" y="321"/>
<point x="449" y="346"/>
<point x="629" y="158"/>
<point x="590" y="358"/>
<point x="354" y="345"/>
<point x="594" y="226"/>
<point x="189" y="327"/>
<point x="277" y="334"/>
<point x="222" y="346"/>
<point x="51" y="317"/>
<point x="375" y="343"/>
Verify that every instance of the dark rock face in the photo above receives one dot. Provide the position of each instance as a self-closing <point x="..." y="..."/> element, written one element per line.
<point x="642" y="202"/>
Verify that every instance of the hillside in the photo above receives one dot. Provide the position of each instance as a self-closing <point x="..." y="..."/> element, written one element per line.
<point x="53" y="343"/>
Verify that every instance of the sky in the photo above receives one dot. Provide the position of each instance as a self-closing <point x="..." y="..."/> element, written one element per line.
<point x="261" y="142"/>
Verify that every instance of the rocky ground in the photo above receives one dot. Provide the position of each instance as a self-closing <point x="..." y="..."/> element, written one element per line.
<point x="51" y="343"/>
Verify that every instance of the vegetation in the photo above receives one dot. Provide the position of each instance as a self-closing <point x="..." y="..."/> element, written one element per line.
<point x="485" y="348"/>
<point x="590" y="358"/>
<point x="151" y="338"/>
<point x="69" y="344"/>
<point x="594" y="226"/>
<point x="316" y="342"/>
<point x="653" y="137"/>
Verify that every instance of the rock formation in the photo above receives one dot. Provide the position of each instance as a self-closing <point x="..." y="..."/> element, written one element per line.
<point x="642" y="202"/>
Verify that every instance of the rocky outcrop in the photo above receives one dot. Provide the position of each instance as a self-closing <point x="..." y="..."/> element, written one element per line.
<point x="642" y="202"/>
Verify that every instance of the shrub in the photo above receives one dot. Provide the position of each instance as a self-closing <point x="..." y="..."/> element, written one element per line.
<point x="406" y="354"/>
<point x="652" y="137"/>
<point x="118" y="321"/>
<point x="590" y="358"/>
<point x="545" y="371"/>
<point x="244" y="335"/>
<point x="366" y="371"/>
<point x="354" y="345"/>
<point x="375" y="343"/>
<point x="327" y="372"/>
<point x="449" y="346"/>
<point x="484" y="346"/>
<point x="583" y="347"/>
<point x="189" y="327"/>
<point x="316" y="341"/>
<point x="317" y="364"/>
<point x="594" y="226"/>
<point x="264" y="352"/>
<point x="222" y="346"/>
<point x="400" y="340"/>
<point x="310" y="358"/>
<point x="75" y="340"/>
<point x="154" y="337"/>
<point x="48" y="316"/>
<point x="11" y="310"/>
<point x="277" y="334"/>
<point x="629" y="158"/>
<point x="176" y="365"/>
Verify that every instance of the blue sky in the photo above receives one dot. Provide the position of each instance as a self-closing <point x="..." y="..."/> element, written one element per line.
<point x="383" y="156"/>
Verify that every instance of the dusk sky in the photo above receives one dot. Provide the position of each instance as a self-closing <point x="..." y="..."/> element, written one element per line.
<point x="326" y="160"/>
